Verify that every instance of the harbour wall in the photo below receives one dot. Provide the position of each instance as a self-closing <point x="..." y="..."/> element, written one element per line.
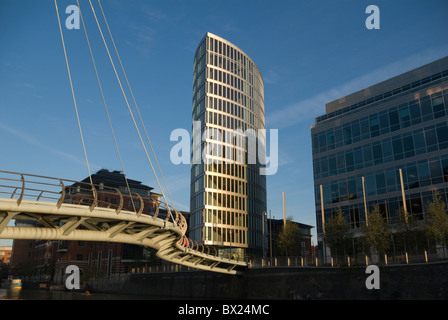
<point x="399" y="282"/>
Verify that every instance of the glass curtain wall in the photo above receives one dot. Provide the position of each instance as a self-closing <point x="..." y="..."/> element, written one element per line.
<point x="228" y="195"/>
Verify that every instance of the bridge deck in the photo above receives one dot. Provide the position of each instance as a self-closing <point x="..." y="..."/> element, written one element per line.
<point x="59" y="220"/>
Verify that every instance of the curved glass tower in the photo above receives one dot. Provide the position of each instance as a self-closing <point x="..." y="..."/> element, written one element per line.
<point x="228" y="195"/>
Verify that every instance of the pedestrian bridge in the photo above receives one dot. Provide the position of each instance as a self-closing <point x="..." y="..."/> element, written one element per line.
<point x="46" y="208"/>
<point x="50" y="209"/>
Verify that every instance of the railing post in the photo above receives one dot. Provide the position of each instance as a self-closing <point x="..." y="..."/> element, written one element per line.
<point x="95" y="198"/>
<point x="157" y="210"/>
<point x="40" y="195"/>
<point x="23" y="190"/>
<point x="120" y="206"/>
<point x="61" y="199"/>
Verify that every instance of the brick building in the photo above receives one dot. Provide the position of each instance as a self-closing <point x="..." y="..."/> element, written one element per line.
<point x="5" y="255"/>
<point x="47" y="260"/>
<point x="275" y="227"/>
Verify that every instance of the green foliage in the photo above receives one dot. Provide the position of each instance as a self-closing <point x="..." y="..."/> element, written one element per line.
<point x="377" y="234"/>
<point x="289" y="239"/>
<point x="337" y="234"/>
<point x="437" y="227"/>
<point x="4" y="270"/>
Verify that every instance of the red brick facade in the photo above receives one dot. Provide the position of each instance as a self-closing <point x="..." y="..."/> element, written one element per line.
<point x="47" y="260"/>
<point x="5" y="255"/>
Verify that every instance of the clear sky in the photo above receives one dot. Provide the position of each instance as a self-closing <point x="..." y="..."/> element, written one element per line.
<point x="309" y="53"/>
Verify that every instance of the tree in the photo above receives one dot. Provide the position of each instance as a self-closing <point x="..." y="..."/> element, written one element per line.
<point x="289" y="238"/>
<point x="408" y="232"/>
<point x="337" y="234"/>
<point x="437" y="227"/>
<point x="4" y="270"/>
<point x="376" y="232"/>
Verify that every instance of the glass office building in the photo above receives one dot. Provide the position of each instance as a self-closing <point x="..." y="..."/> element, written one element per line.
<point x="228" y="195"/>
<point x="370" y="135"/>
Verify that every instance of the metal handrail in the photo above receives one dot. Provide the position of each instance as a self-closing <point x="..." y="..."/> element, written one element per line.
<point x="92" y="199"/>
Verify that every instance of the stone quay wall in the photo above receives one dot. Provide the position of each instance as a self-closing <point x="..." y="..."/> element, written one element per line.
<point x="396" y="282"/>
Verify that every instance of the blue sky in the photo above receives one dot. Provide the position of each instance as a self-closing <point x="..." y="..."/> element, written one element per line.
<point x="309" y="53"/>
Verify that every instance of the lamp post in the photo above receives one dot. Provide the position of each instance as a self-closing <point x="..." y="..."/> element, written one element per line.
<point x="365" y="202"/>
<point x="270" y="238"/>
<point x="264" y="214"/>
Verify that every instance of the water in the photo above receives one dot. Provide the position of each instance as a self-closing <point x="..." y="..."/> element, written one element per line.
<point x="35" y="294"/>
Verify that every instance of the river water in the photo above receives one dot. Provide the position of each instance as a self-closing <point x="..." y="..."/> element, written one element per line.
<point x="36" y="294"/>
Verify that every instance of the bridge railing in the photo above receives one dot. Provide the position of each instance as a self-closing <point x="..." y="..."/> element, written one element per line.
<point x="21" y="187"/>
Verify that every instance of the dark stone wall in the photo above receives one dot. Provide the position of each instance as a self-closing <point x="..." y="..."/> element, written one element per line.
<point x="422" y="281"/>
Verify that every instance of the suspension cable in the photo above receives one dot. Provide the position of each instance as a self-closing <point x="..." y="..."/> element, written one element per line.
<point x="105" y="106"/>
<point x="73" y="92"/>
<point x="135" y="103"/>
<point x="130" y="111"/>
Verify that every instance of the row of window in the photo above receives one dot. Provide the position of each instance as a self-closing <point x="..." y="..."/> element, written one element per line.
<point x="237" y="97"/>
<point x="220" y="183"/>
<point x="234" y="81"/>
<point x="222" y="234"/>
<point x="196" y="202"/>
<point x="224" y="217"/>
<point x="213" y="196"/>
<point x="231" y="138"/>
<point x="229" y="148"/>
<point x="222" y="48"/>
<point x="238" y="77"/>
<point x="232" y="59"/>
<point x="227" y="115"/>
<point x="237" y="174"/>
<point x="244" y="89"/>
<point x="248" y="110"/>
<point x="415" y="174"/>
<point x="231" y="169"/>
<point x="236" y="110"/>
<point x="218" y="233"/>
<point x="419" y="84"/>
<point x="411" y="113"/>
<point x="217" y="199"/>
<point x="390" y="208"/>
<point x="229" y="65"/>
<point x="249" y="120"/>
<point x="238" y="70"/>
<point x="216" y="152"/>
<point x="406" y="145"/>
<point x="229" y="81"/>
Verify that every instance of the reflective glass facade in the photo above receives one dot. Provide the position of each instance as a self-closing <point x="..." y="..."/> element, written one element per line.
<point x="228" y="195"/>
<point x="401" y="123"/>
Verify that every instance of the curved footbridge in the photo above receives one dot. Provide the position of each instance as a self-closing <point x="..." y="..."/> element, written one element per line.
<point x="52" y="212"/>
